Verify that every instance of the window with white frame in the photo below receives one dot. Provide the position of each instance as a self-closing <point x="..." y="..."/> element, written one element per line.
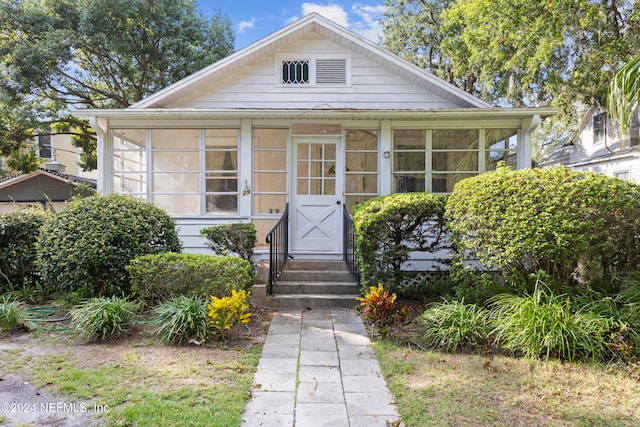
<point x="269" y="170"/>
<point x="434" y="160"/>
<point x="622" y="174"/>
<point x="45" y="150"/>
<point x="361" y="166"/>
<point x="185" y="171"/>
<point x="599" y="127"/>
<point x="315" y="70"/>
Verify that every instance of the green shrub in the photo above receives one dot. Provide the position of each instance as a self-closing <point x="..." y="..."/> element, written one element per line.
<point x="423" y="285"/>
<point x="574" y="226"/>
<point x="229" y="239"/>
<point x="162" y="276"/>
<point x="543" y="325"/>
<point x="19" y="231"/>
<point x="87" y="245"/>
<point x="389" y="228"/>
<point x="181" y="320"/>
<point x="99" y="319"/>
<point x="454" y="325"/>
<point x="12" y="314"/>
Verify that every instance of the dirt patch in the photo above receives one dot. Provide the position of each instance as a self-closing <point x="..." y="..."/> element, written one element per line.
<point x="23" y="403"/>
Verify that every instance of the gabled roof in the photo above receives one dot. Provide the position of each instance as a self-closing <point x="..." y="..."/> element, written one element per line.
<point x="295" y="31"/>
<point x="69" y="179"/>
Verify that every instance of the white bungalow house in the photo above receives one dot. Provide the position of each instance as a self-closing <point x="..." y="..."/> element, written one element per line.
<point x="312" y="116"/>
<point x="598" y="145"/>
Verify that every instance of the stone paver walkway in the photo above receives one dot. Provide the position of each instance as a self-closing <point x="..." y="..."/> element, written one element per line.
<point x="318" y="369"/>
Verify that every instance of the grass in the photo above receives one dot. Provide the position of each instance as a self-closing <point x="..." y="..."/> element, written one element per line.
<point x="172" y="387"/>
<point x="437" y="389"/>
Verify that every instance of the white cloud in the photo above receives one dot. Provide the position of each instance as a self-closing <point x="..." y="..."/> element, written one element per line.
<point x="334" y="12"/>
<point x="367" y="23"/>
<point x="243" y="26"/>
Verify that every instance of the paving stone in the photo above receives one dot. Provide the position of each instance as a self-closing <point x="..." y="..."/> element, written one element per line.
<point x="318" y="344"/>
<point x="268" y="420"/>
<point x="370" y="403"/>
<point x="346" y="317"/>
<point x="320" y="393"/>
<point x="317" y="324"/>
<point x="273" y="349"/>
<point x="351" y="338"/>
<point x="362" y="383"/>
<point x="284" y="365"/>
<point x="321" y="415"/>
<point x="316" y="315"/>
<point x="319" y="358"/>
<point x="285" y="328"/>
<point x="325" y="374"/>
<point x="360" y="367"/>
<point x="353" y="328"/>
<point x="318" y="333"/>
<point x="271" y="403"/>
<point x="356" y="352"/>
<point x="270" y="381"/>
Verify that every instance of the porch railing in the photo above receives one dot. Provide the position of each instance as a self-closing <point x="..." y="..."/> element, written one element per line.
<point x="348" y="244"/>
<point x="278" y="240"/>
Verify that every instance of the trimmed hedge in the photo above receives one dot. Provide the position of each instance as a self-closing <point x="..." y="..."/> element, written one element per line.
<point x="231" y="238"/>
<point x="163" y="276"/>
<point x="574" y="226"/>
<point x="19" y="231"/>
<point x="87" y="245"/>
<point x="389" y="228"/>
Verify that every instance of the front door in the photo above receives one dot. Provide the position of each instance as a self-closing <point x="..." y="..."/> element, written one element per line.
<point x="316" y="220"/>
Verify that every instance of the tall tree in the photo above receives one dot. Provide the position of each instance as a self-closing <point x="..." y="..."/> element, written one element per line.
<point x="57" y="55"/>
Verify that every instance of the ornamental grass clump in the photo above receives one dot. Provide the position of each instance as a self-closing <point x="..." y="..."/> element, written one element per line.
<point x="12" y="314"/>
<point x="544" y="325"/>
<point x="104" y="318"/>
<point x="454" y="325"/>
<point x="228" y="312"/>
<point x="181" y="320"/>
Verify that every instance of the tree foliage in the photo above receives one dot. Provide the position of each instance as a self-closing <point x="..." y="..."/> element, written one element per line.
<point x="624" y="93"/>
<point x="521" y="52"/>
<point x="57" y="55"/>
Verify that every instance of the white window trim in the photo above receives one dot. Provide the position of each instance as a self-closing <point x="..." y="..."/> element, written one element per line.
<point x="312" y="58"/>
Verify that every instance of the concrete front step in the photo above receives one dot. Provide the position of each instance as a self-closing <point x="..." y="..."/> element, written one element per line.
<point x="312" y="301"/>
<point x="316" y="288"/>
<point x="291" y="275"/>
<point x="315" y="265"/>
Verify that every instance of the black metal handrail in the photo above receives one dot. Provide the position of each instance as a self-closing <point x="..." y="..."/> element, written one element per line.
<point x="278" y="240"/>
<point x="348" y="244"/>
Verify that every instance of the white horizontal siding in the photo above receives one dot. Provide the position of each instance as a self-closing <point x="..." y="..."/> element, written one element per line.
<point x="255" y="87"/>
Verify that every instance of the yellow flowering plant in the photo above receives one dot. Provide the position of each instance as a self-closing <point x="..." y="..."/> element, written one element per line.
<point x="227" y="312"/>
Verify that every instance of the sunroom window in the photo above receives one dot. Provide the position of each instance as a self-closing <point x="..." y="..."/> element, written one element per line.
<point x="270" y="171"/>
<point x="361" y="166"/>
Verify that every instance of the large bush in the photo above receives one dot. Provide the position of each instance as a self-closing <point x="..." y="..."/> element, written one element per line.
<point x="163" y="276"/>
<point x="19" y="231"/>
<point x="389" y="228"/>
<point x="87" y="245"/>
<point x="575" y="226"/>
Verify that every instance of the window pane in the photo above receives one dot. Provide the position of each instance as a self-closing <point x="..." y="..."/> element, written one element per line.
<point x="222" y="203"/>
<point x="179" y="204"/>
<point x="222" y="183"/>
<point x="501" y="139"/>
<point x="455" y="161"/>
<point x="408" y="183"/>
<point x="270" y="138"/>
<point x="443" y="183"/>
<point x="222" y="160"/>
<point x="129" y="139"/>
<point x="221" y="138"/>
<point x="362" y="140"/>
<point x="361" y="184"/>
<point x="351" y="201"/>
<point x="329" y="187"/>
<point x="175" y="138"/>
<point x="270" y="203"/>
<point x="493" y="157"/>
<point x="175" y="161"/>
<point x="316" y="129"/>
<point x="408" y="139"/>
<point x="302" y="186"/>
<point x="303" y="151"/>
<point x="270" y="160"/>
<point x="176" y="183"/>
<point x="455" y="139"/>
<point x="362" y="162"/>
<point x="130" y="182"/>
<point x="270" y="182"/>
<point x="315" y="169"/>
<point x="129" y="161"/>
<point x="408" y="162"/>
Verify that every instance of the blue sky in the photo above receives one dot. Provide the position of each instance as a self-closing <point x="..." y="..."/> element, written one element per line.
<point x="255" y="19"/>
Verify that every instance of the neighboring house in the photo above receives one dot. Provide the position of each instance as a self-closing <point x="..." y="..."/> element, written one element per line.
<point x="312" y="116"/>
<point x="599" y="146"/>
<point x="50" y="187"/>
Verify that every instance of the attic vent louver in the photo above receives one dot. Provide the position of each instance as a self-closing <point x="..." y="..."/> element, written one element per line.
<point x="331" y="71"/>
